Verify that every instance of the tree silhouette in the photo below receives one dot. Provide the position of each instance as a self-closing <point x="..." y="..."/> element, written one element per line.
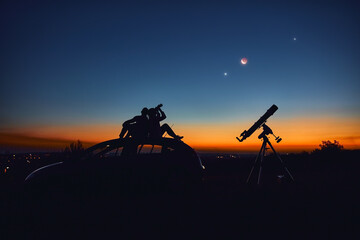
<point x="328" y="147"/>
<point x="74" y="150"/>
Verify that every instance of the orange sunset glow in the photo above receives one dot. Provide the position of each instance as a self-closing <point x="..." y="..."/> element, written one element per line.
<point x="298" y="134"/>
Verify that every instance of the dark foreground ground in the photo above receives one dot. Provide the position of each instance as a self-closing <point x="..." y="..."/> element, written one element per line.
<point x="322" y="203"/>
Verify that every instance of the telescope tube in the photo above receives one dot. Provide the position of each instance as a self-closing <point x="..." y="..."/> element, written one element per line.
<point x="258" y="123"/>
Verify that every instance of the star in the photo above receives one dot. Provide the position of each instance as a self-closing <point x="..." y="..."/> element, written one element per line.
<point x="225" y="74"/>
<point x="294" y="38"/>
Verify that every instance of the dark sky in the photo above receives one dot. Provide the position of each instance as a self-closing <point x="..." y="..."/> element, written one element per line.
<point x="72" y="62"/>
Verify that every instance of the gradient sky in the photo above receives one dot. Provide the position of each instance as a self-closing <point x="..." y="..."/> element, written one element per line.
<point x="76" y="70"/>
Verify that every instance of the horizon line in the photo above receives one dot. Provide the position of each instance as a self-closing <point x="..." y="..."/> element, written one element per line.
<point x="22" y="143"/>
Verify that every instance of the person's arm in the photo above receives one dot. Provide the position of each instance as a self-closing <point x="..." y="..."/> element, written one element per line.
<point x="126" y="123"/>
<point x="126" y="127"/>
<point x="162" y="114"/>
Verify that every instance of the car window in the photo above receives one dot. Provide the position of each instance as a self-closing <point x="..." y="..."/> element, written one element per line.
<point x="149" y="149"/>
<point x="167" y="149"/>
<point x="99" y="150"/>
<point x="113" y="153"/>
<point x="106" y="151"/>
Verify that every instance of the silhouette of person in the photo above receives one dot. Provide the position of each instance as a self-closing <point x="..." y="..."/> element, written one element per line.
<point x="156" y="115"/>
<point x="137" y="127"/>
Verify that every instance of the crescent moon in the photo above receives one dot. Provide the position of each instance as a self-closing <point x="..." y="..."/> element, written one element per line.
<point x="243" y="61"/>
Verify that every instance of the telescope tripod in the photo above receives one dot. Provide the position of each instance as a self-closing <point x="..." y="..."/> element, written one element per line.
<point x="261" y="154"/>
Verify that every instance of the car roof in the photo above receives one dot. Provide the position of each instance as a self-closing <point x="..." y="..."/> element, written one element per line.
<point x="117" y="143"/>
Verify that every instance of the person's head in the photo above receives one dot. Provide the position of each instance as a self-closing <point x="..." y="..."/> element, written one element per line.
<point x="144" y="111"/>
<point x="152" y="112"/>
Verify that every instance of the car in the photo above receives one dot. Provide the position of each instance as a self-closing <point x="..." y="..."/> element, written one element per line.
<point x="116" y="184"/>
<point x="127" y="165"/>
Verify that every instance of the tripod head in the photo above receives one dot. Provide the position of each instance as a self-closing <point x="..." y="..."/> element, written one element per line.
<point x="266" y="131"/>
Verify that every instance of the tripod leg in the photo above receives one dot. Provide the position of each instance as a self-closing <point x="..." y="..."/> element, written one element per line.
<point x="282" y="163"/>
<point x="256" y="160"/>
<point x="261" y="161"/>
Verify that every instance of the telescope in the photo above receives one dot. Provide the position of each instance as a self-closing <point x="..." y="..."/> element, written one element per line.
<point x="258" y="123"/>
<point x="266" y="142"/>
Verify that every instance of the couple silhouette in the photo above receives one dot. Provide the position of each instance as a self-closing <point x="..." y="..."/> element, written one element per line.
<point x="147" y="125"/>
